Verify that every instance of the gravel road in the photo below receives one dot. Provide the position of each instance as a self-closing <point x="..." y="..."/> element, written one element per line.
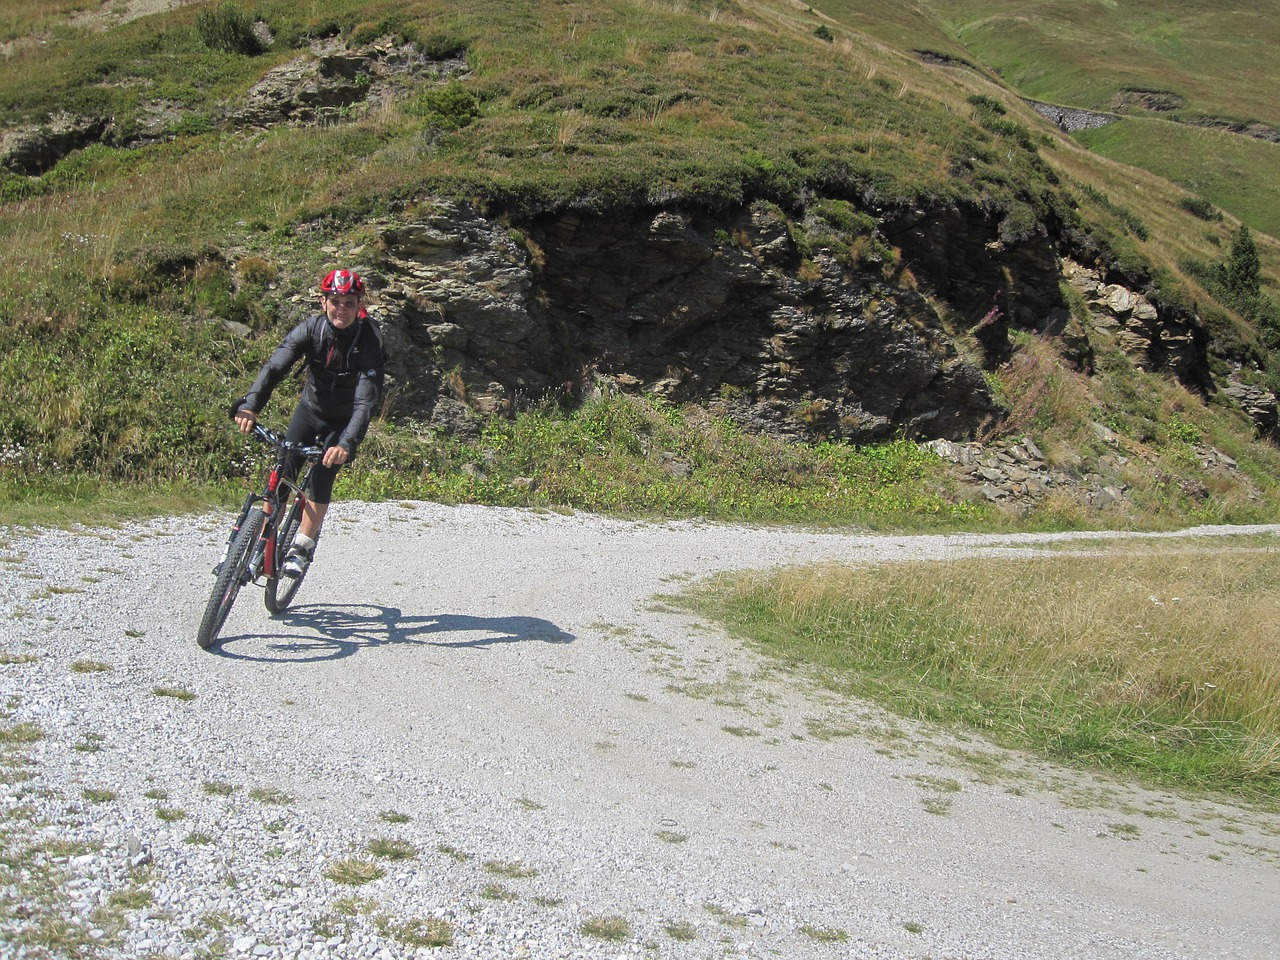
<point x="549" y="762"/>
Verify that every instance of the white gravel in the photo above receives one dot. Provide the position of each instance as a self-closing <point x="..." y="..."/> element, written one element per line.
<point x="513" y="683"/>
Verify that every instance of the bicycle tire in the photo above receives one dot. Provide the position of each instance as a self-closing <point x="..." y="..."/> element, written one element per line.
<point x="231" y="577"/>
<point x="280" y="591"/>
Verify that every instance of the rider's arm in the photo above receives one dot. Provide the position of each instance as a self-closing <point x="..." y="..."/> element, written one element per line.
<point x="273" y="371"/>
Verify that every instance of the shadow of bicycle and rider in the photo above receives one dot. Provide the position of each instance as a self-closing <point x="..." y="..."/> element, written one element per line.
<point x="332" y="632"/>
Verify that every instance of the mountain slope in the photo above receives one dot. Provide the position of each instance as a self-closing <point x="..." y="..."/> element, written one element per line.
<point x="173" y="194"/>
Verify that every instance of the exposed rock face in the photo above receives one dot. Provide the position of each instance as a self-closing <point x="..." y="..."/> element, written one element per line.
<point x="1160" y="342"/>
<point x="329" y="77"/>
<point x="665" y="303"/>
<point x="35" y="148"/>
<point x="1259" y="405"/>
<point x="1072" y="119"/>
<point x="317" y="86"/>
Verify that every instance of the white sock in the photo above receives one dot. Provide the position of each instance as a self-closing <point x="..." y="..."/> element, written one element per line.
<point x="304" y="543"/>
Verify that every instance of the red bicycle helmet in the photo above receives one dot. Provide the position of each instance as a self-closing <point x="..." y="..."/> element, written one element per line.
<point x="341" y="282"/>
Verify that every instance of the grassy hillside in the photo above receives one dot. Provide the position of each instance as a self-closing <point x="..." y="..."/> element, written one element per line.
<point x="1216" y="60"/>
<point x="124" y="257"/>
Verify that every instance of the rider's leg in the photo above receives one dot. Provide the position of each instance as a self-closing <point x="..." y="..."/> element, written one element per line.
<point x="312" y="519"/>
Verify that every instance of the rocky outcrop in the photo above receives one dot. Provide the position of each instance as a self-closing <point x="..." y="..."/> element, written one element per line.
<point x="1071" y="119"/>
<point x="673" y="305"/>
<point x="1259" y="405"/>
<point x="1158" y="341"/>
<point x="34" y="148"/>
<point x="319" y="84"/>
<point x="1016" y="476"/>
<point x="327" y="83"/>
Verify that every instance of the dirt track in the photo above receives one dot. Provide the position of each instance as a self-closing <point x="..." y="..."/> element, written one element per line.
<point x="514" y="683"/>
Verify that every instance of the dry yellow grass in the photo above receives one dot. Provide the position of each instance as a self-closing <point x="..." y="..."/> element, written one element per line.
<point x="1164" y="663"/>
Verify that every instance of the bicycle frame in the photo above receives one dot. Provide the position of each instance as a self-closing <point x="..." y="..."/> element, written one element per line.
<point x="254" y="551"/>
<point x="263" y="561"/>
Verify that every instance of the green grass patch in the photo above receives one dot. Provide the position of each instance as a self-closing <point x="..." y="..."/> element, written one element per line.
<point x="1159" y="666"/>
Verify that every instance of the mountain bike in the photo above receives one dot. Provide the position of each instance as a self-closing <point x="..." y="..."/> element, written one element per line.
<point x="261" y="537"/>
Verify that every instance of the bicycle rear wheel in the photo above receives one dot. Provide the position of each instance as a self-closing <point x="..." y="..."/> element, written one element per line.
<point x="281" y="590"/>
<point x="231" y="577"/>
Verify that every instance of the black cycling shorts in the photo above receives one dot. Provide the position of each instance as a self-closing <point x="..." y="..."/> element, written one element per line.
<point x="307" y="428"/>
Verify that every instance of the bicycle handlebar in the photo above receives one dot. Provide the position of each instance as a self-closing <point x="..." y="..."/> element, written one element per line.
<point x="274" y="439"/>
<point x="271" y="438"/>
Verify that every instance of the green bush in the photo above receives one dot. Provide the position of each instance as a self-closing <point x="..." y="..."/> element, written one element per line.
<point x="1200" y="207"/>
<point x="446" y="108"/>
<point x="228" y="30"/>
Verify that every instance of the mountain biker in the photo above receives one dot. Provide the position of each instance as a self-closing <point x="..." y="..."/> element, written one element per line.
<point x="342" y="348"/>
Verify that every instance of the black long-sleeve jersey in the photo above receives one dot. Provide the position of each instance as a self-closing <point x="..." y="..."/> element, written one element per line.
<point x="344" y="374"/>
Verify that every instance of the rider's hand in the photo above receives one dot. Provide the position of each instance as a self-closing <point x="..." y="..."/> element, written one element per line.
<point x="245" y="419"/>
<point x="335" y="457"/>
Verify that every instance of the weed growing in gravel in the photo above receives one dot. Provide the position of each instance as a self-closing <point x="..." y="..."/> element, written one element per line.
<point x="938" y="806"/>
<point x="419" y="932"/>
<point x="176" y="693"/>
<point x="512" y="870"/>
<point x="913" y="927"/>
<point x="612" y="928"/>
<point x="21" y="733"/>
<point x="98" y="794"/>
<point x="155" y="793"/>
<point x="672" y="836"/>
<point x="724" y="916"/>
<point x="218" y="788"/>
<point x="389" y="849"/>
<point x="451" y="851"/>
<point x="130" y="899"/>
<point x="197" y="839"/>
<point x="824" y="934"/>
<point x="394" y="816"/>
<point x="91" y="666"/>
<point x="354" y="872"/>
<point x="91" y="743"/>
<point x="270" y="795"/>
<point x="681" y="930"/>
<point x="170" y="814"/>
<point x="496" y="891"/>
<point x="13" y="659"/>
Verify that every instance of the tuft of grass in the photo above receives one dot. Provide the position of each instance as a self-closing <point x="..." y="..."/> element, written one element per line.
<point x="680" y="930"/>
<point x="612" y="928"/>
<point x="218" y="788"/>
<point x="496" y="891"/>
<point x="176" y="693"/>
<point x="390" y="849"/>
<point x="270" y="795"/>
<point x="91" y="666"/>
<point x="134" y="899"/>
<point x="98" y="794"/>
<point x="509" y="869"/>
<point x="394" y="816"/>
<point x="21" y="733"/>
<point x="824" y="934"/>
<point x="354" y="872"/>
<point x="419" y="932"/>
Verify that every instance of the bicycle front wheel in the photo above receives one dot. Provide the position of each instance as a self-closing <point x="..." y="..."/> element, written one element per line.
<point x="232" y="575"/>
<point x="281" y="590"/>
